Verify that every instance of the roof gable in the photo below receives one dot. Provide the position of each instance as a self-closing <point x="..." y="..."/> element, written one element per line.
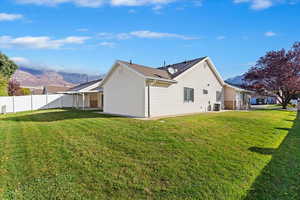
<point x="162" y="73"/>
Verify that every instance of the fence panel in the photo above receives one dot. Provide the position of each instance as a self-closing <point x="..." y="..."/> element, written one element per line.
<point x="67" y="101"/>
<point x="54" y="101"/>
<point x="6" y="104"/>
<point x="39" y="102"/>
<point x="34" y="102"/>
<point x="22" y="103"/>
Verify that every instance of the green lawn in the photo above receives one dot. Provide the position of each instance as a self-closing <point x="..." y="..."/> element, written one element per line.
<point x="64" y="154"/>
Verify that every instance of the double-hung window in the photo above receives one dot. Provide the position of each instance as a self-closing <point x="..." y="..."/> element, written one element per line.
<point x="218" y="96"/>
<point x="188" y="94"/>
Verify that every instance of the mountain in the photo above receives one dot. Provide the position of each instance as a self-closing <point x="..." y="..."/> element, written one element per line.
<point x="237" y="80"/>
<point x="43" y="77"/>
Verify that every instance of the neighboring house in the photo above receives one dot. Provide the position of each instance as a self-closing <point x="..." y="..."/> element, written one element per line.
<point x="54" y="89"/>
<point x="236" y="98"/>
<point x="257" y="99"/>
<point x="87" y="95"/>
<point x="187" y="87"/>
<point x="38" y="90"/>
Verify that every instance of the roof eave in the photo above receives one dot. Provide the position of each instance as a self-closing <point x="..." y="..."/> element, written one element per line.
<point x="161" y="79"/>
<point x="238" y="89"/>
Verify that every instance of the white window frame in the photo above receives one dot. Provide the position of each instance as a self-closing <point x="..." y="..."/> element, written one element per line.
<point x="188" y="95"/>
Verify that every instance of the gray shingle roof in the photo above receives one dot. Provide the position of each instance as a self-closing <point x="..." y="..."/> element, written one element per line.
<point x="182" y="66"/>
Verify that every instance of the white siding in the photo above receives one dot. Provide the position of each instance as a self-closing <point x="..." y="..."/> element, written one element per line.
<point x="124" y="93"/>
<point x="170" y="100"/>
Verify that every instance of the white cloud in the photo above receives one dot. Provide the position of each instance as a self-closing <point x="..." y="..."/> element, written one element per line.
<point x="82" y="30"/>
<point x="123" y="36"/>
<point x="97" y="3"/>
<point x="132" y="11"/>
<point x="42" y="65"/>
<point x="198" y="3"/>
<point x="157" y="8"/>
<point x="82" y="3"/>
<point x="221" y="37"/>
<point x="270" y="34"/>
<point x="10" y="17"/>
<point x="257" y="4"/>
<point x="21" y="61"/>
<point x="24" y="62"/>
<point x="138" y="2"/>
<point x="42" y="42"/>
<point x="143" y="34"/>
<point x="156" y="35"/>
<point x="108" y="44"/>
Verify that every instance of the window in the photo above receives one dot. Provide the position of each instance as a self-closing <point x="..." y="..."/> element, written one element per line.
<point x="188" y="94"/>
<point x="205" y="91"/>
<point x="218" y="96"/>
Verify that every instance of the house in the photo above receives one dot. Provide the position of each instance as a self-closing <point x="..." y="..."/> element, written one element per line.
<point x="50" y="90"/>
<point x="257" y="99"/>
<point x="188" y="87"/>
<point x="236" y="98"/>
<point x="87" y="95"/>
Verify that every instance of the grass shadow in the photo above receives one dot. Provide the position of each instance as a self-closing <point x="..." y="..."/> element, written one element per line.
<point x="283" y="129"/>
<point x="264" y="151"/>
<point x="52" y="116"/>
<point x="280" y="179"/>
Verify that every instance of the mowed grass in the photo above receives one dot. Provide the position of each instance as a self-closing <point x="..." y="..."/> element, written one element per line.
<point x="67" y="154"/>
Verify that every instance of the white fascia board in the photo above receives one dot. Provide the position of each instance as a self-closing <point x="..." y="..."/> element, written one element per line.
<point x="161" y="79"/>
<point x="238" y="89"/>
<point x="214" y="69"/>
<point x="112" y="69"/>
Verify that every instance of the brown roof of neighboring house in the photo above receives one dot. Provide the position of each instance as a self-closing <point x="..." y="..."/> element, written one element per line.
<point x="148" y="71"/>
<point x="50" y="89"/>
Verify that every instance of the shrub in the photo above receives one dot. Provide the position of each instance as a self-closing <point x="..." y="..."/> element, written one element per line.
<point x="25" y="91"/>
<point x="3" y="86"/>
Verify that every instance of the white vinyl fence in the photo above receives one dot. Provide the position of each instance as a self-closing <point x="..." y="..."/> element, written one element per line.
<point x="34" y="102"/>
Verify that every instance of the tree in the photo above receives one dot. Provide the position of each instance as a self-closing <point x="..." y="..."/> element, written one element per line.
<point x="14" y="88"/>
<point x="3" y="86"/>
<point x="25" y="91"/>
<point x="7" y="66"/>
<point x="277" y="74"/>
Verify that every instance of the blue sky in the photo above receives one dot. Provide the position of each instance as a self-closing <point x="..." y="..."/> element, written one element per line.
<point x="89" y="35"/>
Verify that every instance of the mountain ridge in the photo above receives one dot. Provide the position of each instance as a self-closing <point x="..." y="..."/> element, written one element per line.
<point x="32" y="77"/>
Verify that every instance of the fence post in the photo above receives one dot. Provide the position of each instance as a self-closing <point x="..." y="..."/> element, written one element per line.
<point x="62" y="101"/>
<point x="31" y="98"/>
<point x="47" y="106"/>
<point x="13" y="101"/>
